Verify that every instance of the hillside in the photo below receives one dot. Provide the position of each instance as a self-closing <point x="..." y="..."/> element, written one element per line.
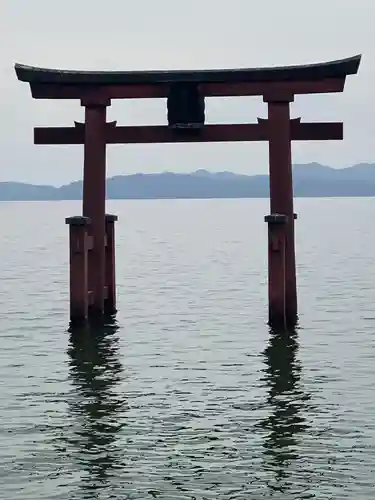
<point x="311" y="180"/>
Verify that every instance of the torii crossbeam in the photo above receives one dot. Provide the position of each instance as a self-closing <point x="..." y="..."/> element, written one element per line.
<point x="92" y="272"/>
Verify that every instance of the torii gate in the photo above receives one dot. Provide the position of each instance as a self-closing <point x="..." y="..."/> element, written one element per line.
<point x="92" y="255"/>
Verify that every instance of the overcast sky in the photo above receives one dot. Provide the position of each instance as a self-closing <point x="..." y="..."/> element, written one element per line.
<point x="176" y="34"/>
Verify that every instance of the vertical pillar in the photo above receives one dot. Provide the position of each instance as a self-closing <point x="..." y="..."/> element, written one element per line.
<point x="110" y="268"/>
<point x="276" y="270"/>
<point x="281" y="189"/>
<point x="78" y="249"/>
<point x="94" y="193"/>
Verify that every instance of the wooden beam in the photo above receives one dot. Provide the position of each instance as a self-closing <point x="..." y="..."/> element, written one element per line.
<point x="313" y="131"/>
<point x="276" y="88"/>
<point x="209" y="133"/>
<point x="333" y="131"/>
<point x="160" y="90"/>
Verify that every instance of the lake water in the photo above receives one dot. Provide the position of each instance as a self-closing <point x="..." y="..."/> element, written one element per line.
<point x="189" y="396"/>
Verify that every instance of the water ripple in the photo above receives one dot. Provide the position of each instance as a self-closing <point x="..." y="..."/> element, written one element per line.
<point x="189" y="395"/>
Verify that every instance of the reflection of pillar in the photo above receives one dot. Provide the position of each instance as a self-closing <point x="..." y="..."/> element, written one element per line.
<point x="78" y="250"/>
<point x="288" y="405"/>
<point x="110" y="268"/>
<point x="281" y="190"/>
<point x="96" y="406"/>
<point x="276" y="269"/>
<point x="94" y="192"/>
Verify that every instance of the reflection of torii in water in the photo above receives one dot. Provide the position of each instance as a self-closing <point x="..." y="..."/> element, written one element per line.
<point x="95" y="370"/>
<point x="285" y="398"/>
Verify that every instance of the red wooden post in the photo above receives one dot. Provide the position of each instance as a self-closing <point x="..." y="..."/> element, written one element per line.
<point x="276" y="270"/>
<point x="78" y="243"/>
<point x="281" y="189"/>
<point x="110" y="268"/>
<point x="94" y="192"/>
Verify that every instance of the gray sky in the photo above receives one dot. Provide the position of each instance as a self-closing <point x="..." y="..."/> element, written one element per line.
<point x="176" y="34"/>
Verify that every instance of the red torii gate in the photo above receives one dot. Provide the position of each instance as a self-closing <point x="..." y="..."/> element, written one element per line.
<point x="92" y="254"/>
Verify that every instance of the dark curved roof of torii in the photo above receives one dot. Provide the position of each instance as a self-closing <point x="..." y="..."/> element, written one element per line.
<point x="309" y="72"/>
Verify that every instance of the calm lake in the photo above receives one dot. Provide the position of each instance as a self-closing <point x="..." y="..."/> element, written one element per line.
<point x="189" y="396"/>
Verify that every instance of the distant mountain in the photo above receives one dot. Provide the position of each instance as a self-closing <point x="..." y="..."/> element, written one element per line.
<point x="311" y="180"/>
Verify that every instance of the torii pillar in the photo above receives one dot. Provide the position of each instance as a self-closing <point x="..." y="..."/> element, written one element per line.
<point x="94" y="195"/>
<point x="281" y="192"/>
